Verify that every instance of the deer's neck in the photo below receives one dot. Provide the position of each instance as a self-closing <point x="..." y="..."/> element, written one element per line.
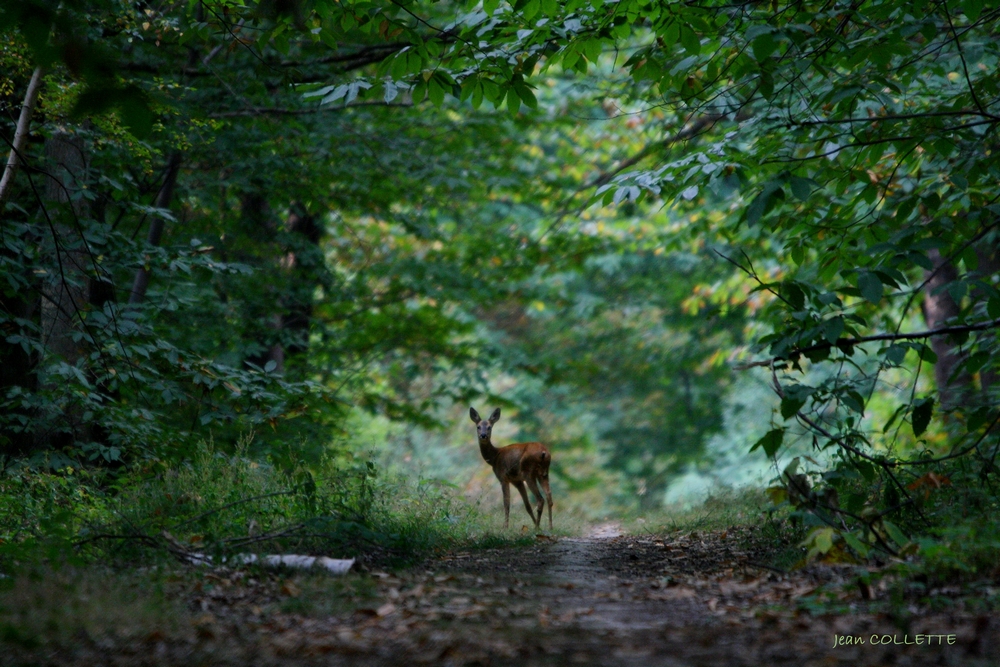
<point x="488" y="451"/>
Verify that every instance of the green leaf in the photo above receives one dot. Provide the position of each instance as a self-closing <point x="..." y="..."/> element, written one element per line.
<point x="767" y="85"/>
<point x="819" y="541"/>
<point x="419" y="92"/>
<point x="854" y="401"/>
<point x="592" y="49"/>
<point x="513" y="101"/>
<point x="895" y="533"/>
<point x="904" y="209"/>
<point x="920" y="415"/>
<point x="832" y="329"/>
<point x="790" y="407"/>
<point x="870" y="287"/>
<point x="761" y="202"/>
<point x="435" y="91"/>
<point x="771" y="442"/>
<point x="972" y="9"/>
<point x="926" y="353"/>
<point x="866" y="468"/>
<point x="801" y="187"/>
<point x="763" y="46"/>
<point x="690" y="40"/>
<point x="524" y="92"/>
<point x="852" y="541"/>
<point x="895" y="354"/>
<point x="794" y="295"/>
<point x="977" y="361"/>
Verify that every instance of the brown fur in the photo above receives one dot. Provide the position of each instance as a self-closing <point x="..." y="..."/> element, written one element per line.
<point x="526" y="463"/>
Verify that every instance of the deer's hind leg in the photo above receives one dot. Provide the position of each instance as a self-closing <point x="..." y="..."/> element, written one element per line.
<point x="533" y="485"/>
<point x="548" y="498"/>
<point x="527" y="503"/>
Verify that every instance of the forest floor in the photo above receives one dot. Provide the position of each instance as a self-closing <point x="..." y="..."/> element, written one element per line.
<point x="677" y="599"/>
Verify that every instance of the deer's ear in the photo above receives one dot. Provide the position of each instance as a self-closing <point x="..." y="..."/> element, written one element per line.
<point x="474" y="416"/>
<point x="495" y="416"/>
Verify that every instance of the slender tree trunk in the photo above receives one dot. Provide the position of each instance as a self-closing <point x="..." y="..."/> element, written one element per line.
<point x="21" y="132"/>
<point x="163" y="199"/>
<point x="259" y="225"/>
<point x="938" y="308"/>
<point x="18" y="366"/>
<point x="304" y="260"/>
<point x="989" y="266"/>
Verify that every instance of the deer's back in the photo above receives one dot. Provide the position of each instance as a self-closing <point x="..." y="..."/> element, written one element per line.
<point x="523" y="460"/>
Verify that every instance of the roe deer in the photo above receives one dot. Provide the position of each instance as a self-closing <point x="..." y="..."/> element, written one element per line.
<point x="520" y="464"/>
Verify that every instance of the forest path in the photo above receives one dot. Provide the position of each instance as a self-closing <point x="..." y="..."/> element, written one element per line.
<point x="676" y="600"/>
<point x="673" y="599"/>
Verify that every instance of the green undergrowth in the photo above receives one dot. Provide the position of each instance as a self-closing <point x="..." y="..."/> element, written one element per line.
<point x="745" y="514"/>
<point x="219" y="504"/>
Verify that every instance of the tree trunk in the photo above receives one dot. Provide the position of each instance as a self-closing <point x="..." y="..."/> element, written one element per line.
<point x="259" y="226"/>
<point x="64" y="290"/>
<point x="938" y="308"/>
<point x="163" y="199"/>
<point x="304" y="259"/>
<point x="19" y="366"/>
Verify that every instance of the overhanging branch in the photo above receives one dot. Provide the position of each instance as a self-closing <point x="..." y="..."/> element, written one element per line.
<point x="846" y="343"/>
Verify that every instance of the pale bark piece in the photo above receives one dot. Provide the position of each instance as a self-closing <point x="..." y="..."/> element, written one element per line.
<point x="293" y="561"/>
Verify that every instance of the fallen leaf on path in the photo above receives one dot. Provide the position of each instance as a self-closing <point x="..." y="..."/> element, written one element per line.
<point x="673" y="593"/>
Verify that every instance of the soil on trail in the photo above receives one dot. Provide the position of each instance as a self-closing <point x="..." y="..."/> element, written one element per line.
<point x="603" y="599"/>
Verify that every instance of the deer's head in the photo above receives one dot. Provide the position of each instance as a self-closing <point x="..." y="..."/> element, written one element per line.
<point x="484" y="426"/>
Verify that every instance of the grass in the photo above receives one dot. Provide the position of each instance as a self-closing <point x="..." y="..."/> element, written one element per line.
<point x="220" y="504"/>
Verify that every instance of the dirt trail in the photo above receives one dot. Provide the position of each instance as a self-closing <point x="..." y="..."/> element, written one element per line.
<point x="611" y="599"/>
<point x="674" y="600"/>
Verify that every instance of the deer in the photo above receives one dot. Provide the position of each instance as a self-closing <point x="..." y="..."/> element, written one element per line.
<point x="519" y="464"/>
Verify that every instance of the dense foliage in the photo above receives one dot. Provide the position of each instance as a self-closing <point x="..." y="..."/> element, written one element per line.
<point x="336" y="218"/>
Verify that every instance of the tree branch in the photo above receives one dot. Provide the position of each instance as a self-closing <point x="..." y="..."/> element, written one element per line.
<point x="877" y="119"/>
<point x="277" y="111"/>
<point x="851" y="342"/>
<point x="687" y="132"/>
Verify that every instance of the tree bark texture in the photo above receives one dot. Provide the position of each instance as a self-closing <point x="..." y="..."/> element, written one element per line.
<point x="65" y="292"/>
<point x="938" y="308"/>
<point x="304" y="259"/>
<point x="259" y="226"/>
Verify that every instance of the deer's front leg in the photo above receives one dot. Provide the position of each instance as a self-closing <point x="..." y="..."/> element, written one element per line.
<point x="505" y="485"/>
